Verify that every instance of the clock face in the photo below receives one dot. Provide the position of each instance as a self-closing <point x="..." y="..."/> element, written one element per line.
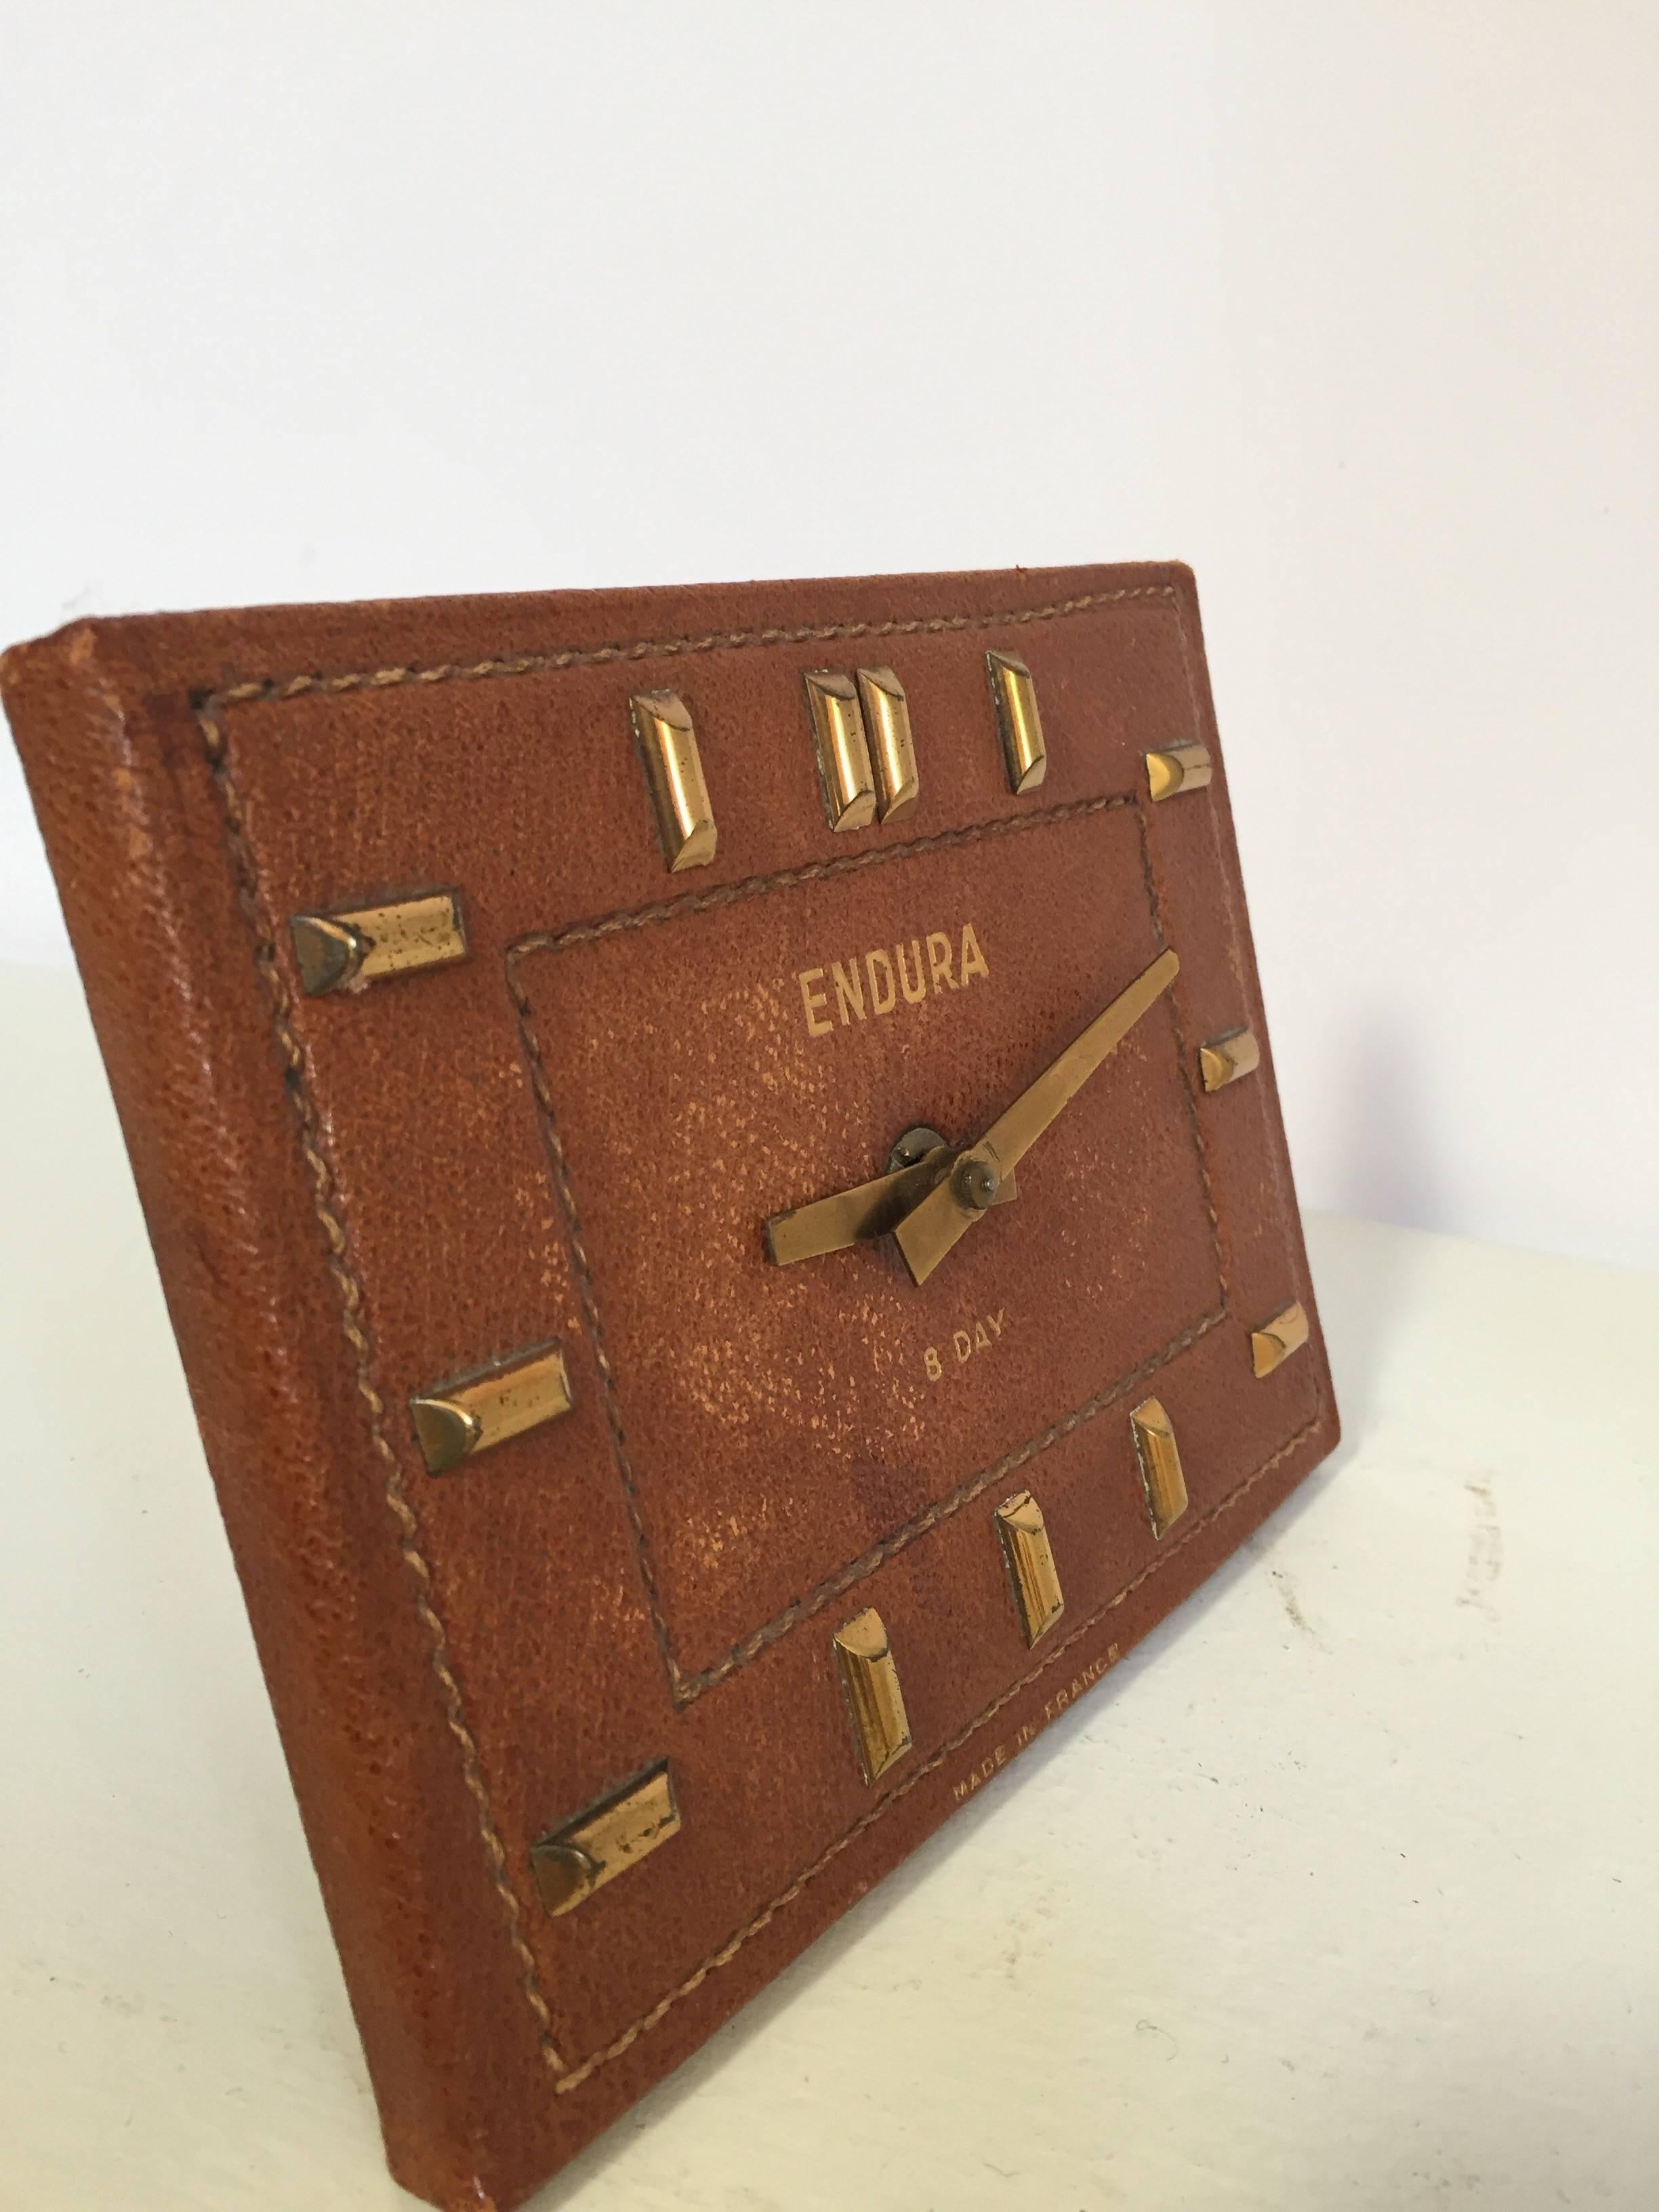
<point x="779" y="1423"/>
<point x="820" y="1235"/>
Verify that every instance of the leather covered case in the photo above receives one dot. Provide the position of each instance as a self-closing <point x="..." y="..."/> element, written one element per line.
<point x="570" y="1137"/>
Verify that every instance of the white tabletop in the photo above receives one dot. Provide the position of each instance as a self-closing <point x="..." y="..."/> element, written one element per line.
<point x="1340" y="1892"/>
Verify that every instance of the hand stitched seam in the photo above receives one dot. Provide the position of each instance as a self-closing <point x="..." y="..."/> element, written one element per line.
<point x="811" y="872"/>
<point x="589" y="1303"/>
<point x="278" y="688"/>
<point x="572" y="2077"/>
<point x="245" y="874"/>
<point x="1195" y="1119"/>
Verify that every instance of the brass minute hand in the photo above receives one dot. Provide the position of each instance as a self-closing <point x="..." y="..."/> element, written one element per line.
<point x="941" y="1219"/>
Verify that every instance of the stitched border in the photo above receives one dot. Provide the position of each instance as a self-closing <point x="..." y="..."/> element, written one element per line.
<point x="575" y="2076"/>
<point x="589" y="1302"/>
<point x="684" y="1686"/>
<point x="539" y="664"/>
<point x="812" y="871"/>
<point x="245" y="874"/>
<point x="1155" y="899"/>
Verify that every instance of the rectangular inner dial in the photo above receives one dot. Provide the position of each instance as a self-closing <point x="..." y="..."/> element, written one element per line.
<point x="777" y="1427"/>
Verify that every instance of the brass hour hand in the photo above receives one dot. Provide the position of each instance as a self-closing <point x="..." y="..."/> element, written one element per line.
<point x="857" y="1216"/>
<point x="938" y="1221"/>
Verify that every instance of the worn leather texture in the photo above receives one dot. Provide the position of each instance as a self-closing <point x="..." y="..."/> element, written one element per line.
<point x="574" y="1135"/>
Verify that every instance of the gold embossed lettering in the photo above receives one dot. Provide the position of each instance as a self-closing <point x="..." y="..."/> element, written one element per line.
<point x="977" y="1335"/>
<point x="814" y="1000"/>
<point x="911" y="998"/>
<point x="973" y="960"/>
<point x="880" y="980"/>
<point x="849" y="990"/>
<point x="1027" y="1731"/>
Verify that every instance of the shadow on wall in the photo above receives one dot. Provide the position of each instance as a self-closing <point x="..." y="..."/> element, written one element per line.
<point x="1388" y="1170"/>
<point x="1364" y="1284"/>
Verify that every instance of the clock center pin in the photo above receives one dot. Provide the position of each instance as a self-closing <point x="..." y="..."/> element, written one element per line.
<point x="974" y="1183"/>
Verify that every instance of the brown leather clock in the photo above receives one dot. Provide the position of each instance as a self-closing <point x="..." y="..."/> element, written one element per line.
<point x="715" y="1161"/>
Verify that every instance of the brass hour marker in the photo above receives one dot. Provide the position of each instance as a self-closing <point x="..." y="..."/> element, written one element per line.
<point x="881" y="1733"/>
<point x="1160" y="1464"/>
<point x="1018" y="721"/>
<point x="455" y="1420"/>
<point x="369" y="942"/>
<point x="685" y="819"/>
<point x="1030" y="1560"/>
<point x="844" y="771"/>
<point x="1271" y="1344"/>
<point x="573" y="1861"/>
<point x="1224" y="1059"/>
<point x="1183" y="767"/>
<point x="887" y="716"/>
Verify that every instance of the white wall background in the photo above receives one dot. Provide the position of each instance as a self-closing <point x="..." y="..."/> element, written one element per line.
<point x="1354" y="307"/>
